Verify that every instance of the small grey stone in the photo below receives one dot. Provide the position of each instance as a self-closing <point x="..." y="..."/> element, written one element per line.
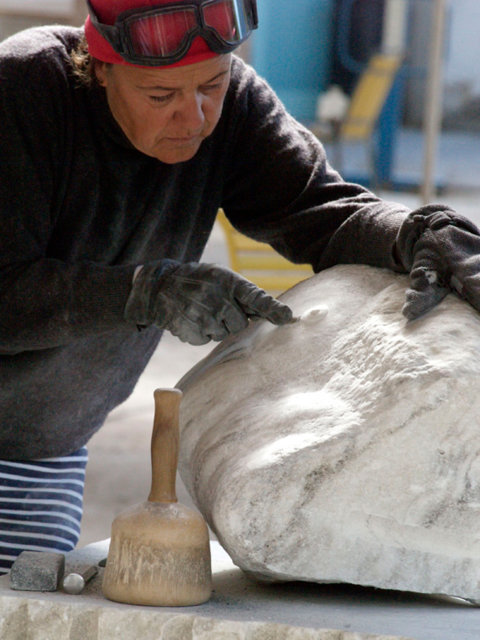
<point x="37" y="571"/>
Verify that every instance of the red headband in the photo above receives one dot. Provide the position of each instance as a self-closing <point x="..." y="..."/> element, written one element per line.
<point x="108" y="10"/>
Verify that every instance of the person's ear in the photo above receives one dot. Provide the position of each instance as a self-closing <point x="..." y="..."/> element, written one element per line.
<point x="101" y="70"/>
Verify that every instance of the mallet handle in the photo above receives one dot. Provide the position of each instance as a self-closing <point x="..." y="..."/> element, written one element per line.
<point x="165" y="442"/>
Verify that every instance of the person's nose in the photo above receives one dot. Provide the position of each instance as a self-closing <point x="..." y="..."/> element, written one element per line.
<point x="191" y="114"/>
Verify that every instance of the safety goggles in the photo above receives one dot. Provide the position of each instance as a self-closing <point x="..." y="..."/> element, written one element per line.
<point x="163" y="35"/>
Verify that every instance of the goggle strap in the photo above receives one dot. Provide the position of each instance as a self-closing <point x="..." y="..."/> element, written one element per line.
<point x="254" y="9"/>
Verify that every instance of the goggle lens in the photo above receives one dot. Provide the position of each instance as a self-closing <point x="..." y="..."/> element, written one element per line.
<point x="161" y="34"/>
<point x="227" y="19"/>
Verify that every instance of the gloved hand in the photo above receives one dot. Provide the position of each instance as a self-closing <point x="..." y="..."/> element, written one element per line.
<point x="199" y="302"/>
<point x="441" y="250"/>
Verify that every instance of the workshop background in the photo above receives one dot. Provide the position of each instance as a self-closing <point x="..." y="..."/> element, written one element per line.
<point x="406" y="70"/>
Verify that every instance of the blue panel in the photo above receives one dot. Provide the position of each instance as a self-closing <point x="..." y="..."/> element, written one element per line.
<point x="292" y="50"/>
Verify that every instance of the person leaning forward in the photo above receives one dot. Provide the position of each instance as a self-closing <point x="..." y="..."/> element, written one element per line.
<point x="120" y="142"/>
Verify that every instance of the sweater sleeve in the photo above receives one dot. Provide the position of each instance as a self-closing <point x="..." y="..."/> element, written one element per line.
<point x="44" y="302"/>
<point x="280" y="189"/>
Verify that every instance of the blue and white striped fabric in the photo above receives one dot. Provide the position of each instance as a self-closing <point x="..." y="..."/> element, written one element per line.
<point x="41" y="504"/>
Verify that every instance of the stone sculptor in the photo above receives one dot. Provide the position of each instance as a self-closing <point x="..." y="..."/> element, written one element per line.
<point x="343" y="447"/>
<point x="120" y="140"/>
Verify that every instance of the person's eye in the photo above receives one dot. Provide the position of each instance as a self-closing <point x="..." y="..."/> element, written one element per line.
<point x="161" y="99"/>
<point x="212" y="87"/>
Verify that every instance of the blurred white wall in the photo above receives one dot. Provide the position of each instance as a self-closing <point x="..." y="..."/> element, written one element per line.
<point x="16" y="15"/>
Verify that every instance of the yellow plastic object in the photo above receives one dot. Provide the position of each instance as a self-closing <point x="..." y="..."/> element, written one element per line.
<point x="260" y="263"/>
<point x="369" y="97"/>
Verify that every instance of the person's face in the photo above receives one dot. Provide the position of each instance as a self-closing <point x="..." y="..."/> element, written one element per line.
<point x="167" y="113"/>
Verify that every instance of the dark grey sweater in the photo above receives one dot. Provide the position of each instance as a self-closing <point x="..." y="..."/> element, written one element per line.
<point x="80" y="208"/>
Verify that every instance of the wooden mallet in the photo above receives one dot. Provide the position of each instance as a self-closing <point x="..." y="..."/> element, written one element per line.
<point x="159" y="550"/>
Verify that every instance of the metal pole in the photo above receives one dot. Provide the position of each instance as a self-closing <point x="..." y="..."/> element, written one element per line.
<point x="433" y="102"/>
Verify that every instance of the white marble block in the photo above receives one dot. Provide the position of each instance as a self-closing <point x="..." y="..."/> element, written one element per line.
<point x="344" y="447"/>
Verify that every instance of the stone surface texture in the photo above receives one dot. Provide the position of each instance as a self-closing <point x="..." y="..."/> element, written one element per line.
<point x="344" y="447"/>
<point x="29" y="619"/>
<point x="239" y="609"/>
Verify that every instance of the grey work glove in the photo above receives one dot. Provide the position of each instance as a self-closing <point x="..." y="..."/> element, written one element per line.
<point x="441" y="250"/>
<point x="199" y="302"/>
